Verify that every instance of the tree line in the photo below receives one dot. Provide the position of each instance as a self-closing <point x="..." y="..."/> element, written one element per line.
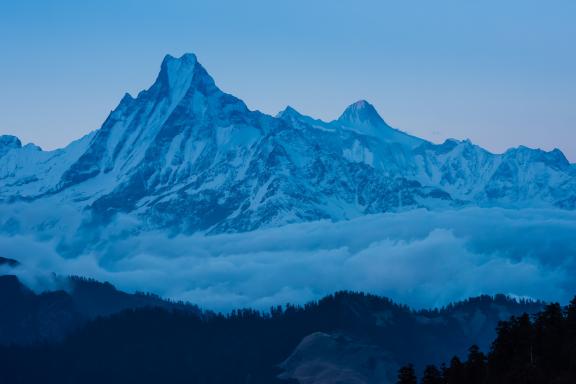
<point x="537" y="349"/>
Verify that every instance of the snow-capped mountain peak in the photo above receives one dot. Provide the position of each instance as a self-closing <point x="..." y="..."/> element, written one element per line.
<point x="362" y="117"/>
<point x="361" y="113"/>
<point x="177" y="76"/>
<point x="177" y="73"/>
<point x="288" y="112"/>
<point x="185" y="156"/>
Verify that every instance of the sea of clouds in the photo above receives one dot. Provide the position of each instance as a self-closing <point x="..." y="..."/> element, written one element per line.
<point x="420" y="258"/>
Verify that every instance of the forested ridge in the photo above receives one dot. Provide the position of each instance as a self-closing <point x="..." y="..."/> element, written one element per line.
<point x="538" y="349"/>
<point x="157" y="341"/>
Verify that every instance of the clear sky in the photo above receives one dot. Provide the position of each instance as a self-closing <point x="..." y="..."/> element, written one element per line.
<point x="500" y="72"/>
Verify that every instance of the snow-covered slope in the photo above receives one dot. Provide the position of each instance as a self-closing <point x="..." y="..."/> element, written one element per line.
<point x="187" y="157"/>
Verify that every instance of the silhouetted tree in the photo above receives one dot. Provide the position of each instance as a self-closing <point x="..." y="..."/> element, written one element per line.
<point x="525" y="351"/>
<point x="432" y="375"/>
<point x="571" y="336"/>
<point x="475" y="366"/>
<point x="407" y="375"/>
<point x="456" y="374"/>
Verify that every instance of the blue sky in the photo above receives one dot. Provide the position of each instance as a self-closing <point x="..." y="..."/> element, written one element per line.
<point x="502" y="73"/>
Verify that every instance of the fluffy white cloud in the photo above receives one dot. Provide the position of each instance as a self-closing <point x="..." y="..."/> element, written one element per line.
<point x="420" y="258"/>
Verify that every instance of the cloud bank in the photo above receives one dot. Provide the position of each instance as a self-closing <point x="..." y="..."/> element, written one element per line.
<point x="419" y="258"/>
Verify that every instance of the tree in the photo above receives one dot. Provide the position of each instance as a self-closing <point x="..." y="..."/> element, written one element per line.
<point x="538" y="349"/>
<point x="550" y="337"/>
<point x="456" y="373"/>
<point x="571" y="335"/>
<point x="432" y="375"/>
<point x="406" y="375"/>
<point x="475" y="366"/>
<point x="512" y="355"/>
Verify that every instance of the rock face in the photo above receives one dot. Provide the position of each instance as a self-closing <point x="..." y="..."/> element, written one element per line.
<point x="322" y="358"/>
<point x="186" y="157"/>
<point x="374" y="337"/>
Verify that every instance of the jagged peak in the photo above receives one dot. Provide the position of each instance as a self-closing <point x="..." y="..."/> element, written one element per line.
<point x="362" y="117"/>
<point x="176" y="72"/>
<point x="555" y="156"/>
<point x="9" y="142"/>
<point x="176" y="77"/>
<point x="187" y="60"/>
<point x="288" y="112"/>
<point x="32" y="147"/>
<point x="556" y="152"/>
<point x="361" y="104"/>
<point x="126" y="98"/>
<point x="361" y="112"/>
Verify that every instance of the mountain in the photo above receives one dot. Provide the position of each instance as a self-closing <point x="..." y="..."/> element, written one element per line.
<point x="31" y="318"/>
<point x="362" y="118"/>
<point x="185" y="157"/>
<point x="92" y="332"/>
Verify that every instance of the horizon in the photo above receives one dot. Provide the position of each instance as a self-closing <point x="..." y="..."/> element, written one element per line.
<point x="436" y="78"/>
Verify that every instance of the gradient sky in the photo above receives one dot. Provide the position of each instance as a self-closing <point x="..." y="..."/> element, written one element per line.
<point x="502" y="73"/>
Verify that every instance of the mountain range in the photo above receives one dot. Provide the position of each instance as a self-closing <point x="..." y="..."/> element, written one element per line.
<point x="185" y="157"/>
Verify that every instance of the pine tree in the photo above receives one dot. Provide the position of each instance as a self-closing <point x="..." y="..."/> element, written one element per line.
<point x="456" y="373"/>
<point x="549" y="338"/>
<point x="432" y="375"/>
<point x="406" y="375"/>
<point x="571" y="335"/>
<point x="475" y="366"/>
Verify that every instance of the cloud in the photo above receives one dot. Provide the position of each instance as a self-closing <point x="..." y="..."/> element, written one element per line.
<point x="420" y="258"/>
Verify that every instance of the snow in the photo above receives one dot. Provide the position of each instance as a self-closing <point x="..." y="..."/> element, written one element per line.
<point x="185" y="134"/>
<point x="362" y="118"/>
<point x="359" y="153"/>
